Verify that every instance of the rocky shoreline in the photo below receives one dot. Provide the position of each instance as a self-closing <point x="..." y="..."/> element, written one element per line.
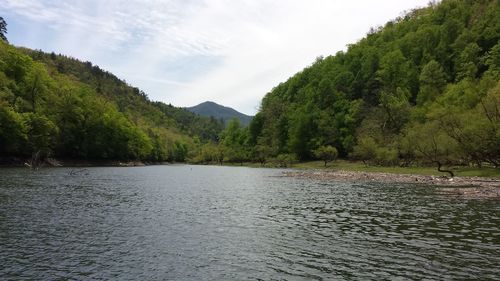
<point x="470" y="187"/>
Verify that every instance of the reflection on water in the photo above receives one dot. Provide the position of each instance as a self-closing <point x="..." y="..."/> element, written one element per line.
<point x="212" y="223"/>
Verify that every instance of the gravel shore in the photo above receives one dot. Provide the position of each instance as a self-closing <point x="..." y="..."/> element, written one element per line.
<point x="471" y="187"/>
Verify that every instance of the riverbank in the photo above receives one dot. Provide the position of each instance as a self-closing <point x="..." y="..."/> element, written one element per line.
<point x="52" y="162"/>
<point x="355" y="166"/>
<point x="470" y="187"/>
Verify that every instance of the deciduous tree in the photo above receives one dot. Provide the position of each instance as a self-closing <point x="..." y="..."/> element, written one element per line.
<point x="326" y="153"/>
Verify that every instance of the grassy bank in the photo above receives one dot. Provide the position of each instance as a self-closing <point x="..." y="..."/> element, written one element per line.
<point x="360" y="167"/>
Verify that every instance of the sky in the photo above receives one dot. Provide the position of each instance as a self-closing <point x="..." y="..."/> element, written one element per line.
<point x="185" y="52"/>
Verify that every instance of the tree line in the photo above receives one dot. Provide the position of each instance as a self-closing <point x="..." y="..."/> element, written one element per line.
<point x="56" y="106"/>
<point x="421" y="90"/>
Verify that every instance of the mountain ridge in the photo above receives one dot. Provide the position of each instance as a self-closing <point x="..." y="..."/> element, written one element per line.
<point x="218" y="111"/>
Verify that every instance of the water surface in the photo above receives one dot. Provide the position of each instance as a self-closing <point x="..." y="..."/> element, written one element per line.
<point x="231" y="223"/>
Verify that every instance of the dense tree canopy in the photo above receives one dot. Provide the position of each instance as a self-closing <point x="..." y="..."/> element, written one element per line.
<point x="51" y="105"/>
<point x="425" y="82"/>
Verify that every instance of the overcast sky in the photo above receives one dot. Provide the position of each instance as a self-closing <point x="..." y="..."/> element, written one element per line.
<point x="185" y="52"/>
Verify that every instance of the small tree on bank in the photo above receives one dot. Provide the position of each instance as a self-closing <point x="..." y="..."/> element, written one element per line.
<point x="326" y="153"/>
<point x="262" y="153"/>
<point x="433" y="146"/>
<point x="365" y="150"/>
<point x="285" y="160"/>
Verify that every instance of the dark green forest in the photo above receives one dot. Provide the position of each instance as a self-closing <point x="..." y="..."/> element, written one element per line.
<point x="421" y="90"/>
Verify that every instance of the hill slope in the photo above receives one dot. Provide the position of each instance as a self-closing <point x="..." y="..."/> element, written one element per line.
<point x="421" y="89"/>
<point x="218" y="111"/>
<point x="52" y="105"/>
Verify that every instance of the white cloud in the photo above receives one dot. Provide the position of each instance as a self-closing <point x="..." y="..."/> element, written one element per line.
<point x="270" y="41"/>
<point x="253" y="45"/>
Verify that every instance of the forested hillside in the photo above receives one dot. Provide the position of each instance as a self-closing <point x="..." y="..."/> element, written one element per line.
<point x="424" y="88"/>
<point x="52" y="105"/>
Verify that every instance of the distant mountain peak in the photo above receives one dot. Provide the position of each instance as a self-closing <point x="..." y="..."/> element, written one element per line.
<point x="210" y="108"/>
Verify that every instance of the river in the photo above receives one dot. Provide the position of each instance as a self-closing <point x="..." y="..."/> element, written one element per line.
<point x="182" y="222"/>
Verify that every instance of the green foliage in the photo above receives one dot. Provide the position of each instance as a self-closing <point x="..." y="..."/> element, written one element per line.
<point x="179" y="152"/>
<point x="262" y="153"/>
<point x="233" y="135"/>
<point x="51" y="105"/>
<point x="208" y="153"/>
<point x="468" y="62"/>
<point x="493" y="59"/>
<point x="13" y="131"/>
<point x="284" y="160"/>
<point x="432" y="82"/>
<point x="326" y="153"/>
<point x="365" y="149"/>
<point x="396" y="110"/>
<point x="301" y="131"/>
<point x="476" y="130"/>
<point x="35" y="85"/>
<point x="394" y="71"/>
<point x="206" y="128"/>
<point x="255" y="129"/>
<point x="430" y="73"/>
<point x="233" y="140"/>
<point x="235" y="155"/>
<point x="433" y="145"/>
<point x="386" y="156"/>
<point x="41" y="133"/>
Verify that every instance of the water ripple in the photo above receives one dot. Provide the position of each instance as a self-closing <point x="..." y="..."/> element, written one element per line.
<point x="220" y="223"/>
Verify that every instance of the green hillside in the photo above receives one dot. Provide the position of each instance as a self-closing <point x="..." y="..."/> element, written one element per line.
<point x="52" y="105"/>
<point x="423" y="89"/>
